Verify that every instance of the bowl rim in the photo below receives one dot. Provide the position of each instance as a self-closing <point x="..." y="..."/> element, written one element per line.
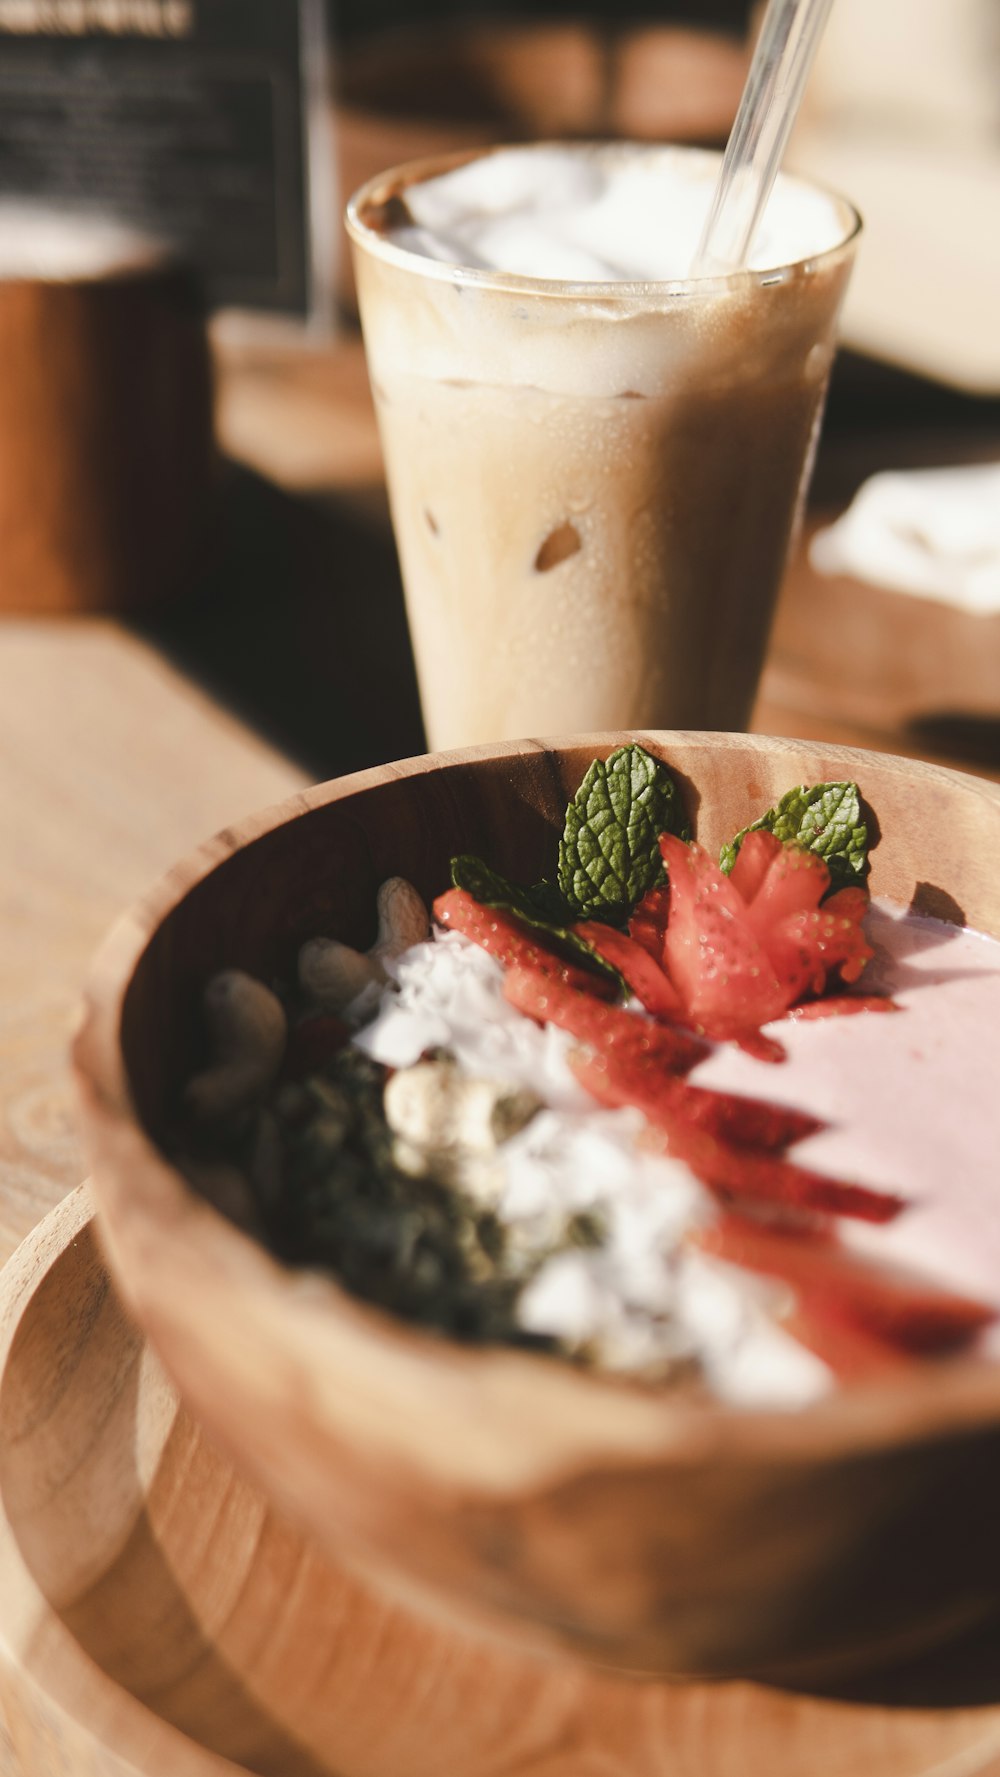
<point x="651" y="1424"/>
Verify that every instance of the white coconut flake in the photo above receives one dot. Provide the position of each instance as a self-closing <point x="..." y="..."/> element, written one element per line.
<point x="449" y="993"/>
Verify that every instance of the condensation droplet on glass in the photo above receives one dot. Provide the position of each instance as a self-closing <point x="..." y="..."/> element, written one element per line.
<point x="558" y="546"/>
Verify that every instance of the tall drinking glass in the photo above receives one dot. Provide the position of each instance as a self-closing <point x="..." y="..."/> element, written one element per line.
<point x="594" y="484"/>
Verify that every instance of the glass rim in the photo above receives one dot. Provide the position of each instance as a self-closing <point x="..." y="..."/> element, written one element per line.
<point x="412" y="172"/>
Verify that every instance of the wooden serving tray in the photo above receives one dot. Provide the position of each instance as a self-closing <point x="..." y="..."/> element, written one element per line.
<point x="158" y="1619"/>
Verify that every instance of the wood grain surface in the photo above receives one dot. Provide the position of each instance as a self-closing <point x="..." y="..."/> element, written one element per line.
<point x="160" y="1620"/>
<point x="110" y="766"/>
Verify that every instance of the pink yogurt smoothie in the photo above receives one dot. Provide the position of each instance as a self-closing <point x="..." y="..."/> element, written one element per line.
<point x="911" y="1099"/>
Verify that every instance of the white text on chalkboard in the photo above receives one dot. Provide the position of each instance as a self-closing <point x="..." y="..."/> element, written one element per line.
<point x="81" y="18"/>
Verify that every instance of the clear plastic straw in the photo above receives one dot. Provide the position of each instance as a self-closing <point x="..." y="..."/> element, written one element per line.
<point x="788" y="40"/>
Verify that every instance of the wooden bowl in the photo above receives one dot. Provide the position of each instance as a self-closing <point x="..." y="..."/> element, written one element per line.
<point x="494" y="1487"/>
<point x="161" y="1619"/>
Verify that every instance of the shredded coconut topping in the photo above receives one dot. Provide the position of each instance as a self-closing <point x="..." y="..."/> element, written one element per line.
<point x="643" y="1301"/>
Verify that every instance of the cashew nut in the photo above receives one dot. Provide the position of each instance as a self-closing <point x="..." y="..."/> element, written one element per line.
<point x="402" y="920"/>
<point x="338" y="979"/>
<point x="247" y="1030"/>
<point x="333" y="976"/>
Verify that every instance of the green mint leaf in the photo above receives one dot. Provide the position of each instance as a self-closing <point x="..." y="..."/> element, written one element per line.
<point x="542" y="906"/>
<point x="609" y="854"/>
<point x="822" y="818"/>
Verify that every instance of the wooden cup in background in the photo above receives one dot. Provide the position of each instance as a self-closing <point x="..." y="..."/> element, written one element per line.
<point x="106" y="438"/>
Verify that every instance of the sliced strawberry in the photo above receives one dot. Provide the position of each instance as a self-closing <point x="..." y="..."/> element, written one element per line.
<point x="851" y="1352"/>
<point x="719" y="968"/>
<point x="695" y="877"/>
<point x="766" y="1178"/>
<point x="729" y="1143"/>
<point x="513" y="942"/>
<point x="760" y="1048"/>
<point x="843" y="1005"/>
<point x="639" y="1080"/>
<point x="811" y="945"/>
<point x="740" y="950"/>
<point x="793" y="964"/>
<point x="603" y="1027"/>
<point x="753" y="860"/>
<point x="641" y="974"/>
<point x="648" y="923"/>
<point x="788" y="896"/>
<point x="795" y="882"/>
<point x="831" y="1281"/>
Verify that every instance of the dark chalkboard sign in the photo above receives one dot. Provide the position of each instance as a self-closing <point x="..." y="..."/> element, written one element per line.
<point x="192" y="120"/>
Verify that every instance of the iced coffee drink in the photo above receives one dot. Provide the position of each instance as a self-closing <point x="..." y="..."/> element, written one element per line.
<point x="594" y="462"/>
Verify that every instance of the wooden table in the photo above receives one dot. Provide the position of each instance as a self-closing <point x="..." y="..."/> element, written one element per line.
<point x="122" y="747"/>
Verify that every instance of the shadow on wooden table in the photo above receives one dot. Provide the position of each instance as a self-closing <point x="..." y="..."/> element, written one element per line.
<point x="961" y="1674"/>
<point x="298" y="625"/>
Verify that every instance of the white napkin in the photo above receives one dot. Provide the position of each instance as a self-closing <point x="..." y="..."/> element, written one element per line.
<point x="931" y="532"/>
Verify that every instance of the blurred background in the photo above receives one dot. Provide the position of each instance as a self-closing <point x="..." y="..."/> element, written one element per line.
<point x="290" y="519"/>
<point x="350" y="19"/>
<point x="903" y="114"/>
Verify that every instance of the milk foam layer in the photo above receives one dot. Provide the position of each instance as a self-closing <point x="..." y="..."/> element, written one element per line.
<point x="599" y="213"/>
<point x="619" y="224"/>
